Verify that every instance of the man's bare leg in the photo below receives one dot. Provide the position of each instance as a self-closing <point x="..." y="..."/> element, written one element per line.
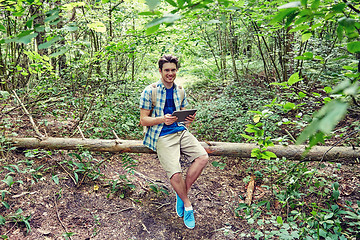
<point x="195" y="170"/>
<point x="178" y="184"/>
<point x="182" y="187"/>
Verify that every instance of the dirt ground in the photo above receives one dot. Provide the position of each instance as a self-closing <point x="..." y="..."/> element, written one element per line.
<point x="142" y="214"/>
<point x="90" y="212"/>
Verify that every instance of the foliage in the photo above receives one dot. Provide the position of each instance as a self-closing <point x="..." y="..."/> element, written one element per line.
<point x="77" y="65"/>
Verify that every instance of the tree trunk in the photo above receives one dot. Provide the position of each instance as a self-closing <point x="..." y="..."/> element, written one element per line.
<point x="243" y="150"/>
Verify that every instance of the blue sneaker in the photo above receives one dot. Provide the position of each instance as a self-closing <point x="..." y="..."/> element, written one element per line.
<point x="179" y="206"/>
<point x="189" y="219"/>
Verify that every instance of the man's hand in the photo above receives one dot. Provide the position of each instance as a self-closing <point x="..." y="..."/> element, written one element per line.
<point x="168" y="119"/>
<point x="190" y="119"/>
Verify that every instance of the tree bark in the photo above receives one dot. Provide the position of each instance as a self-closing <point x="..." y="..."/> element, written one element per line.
<point x="243" y="150"/>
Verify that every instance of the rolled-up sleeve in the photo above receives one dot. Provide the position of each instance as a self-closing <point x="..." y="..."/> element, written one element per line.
<point x="145" y="99"/>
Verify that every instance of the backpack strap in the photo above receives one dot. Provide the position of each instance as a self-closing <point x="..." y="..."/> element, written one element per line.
<point x="181" y="92"/>
<point x="153" y="94"/>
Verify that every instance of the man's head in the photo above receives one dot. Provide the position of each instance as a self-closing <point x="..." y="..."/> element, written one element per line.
<point x="168" y="59"/>
<point x="168" y="66"/>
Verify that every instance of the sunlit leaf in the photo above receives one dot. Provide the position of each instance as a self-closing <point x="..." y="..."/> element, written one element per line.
<point x="291" y="5"/>
<point x="152" y="4"/>
<point x="306" y="37"/>
<point x="169" y="18"/>
<point x="333" y="112"/>
<point x="315" y="4"/>
<point x="327" y="89"/>
<point x="294" y="78"/>
<point x="172" y="3"/>
<point x="213" y="21"/>
<point x="151" y="30"/>
<point x="97" y="26"/>
<point x="71" y="27"/>
<point x="353" y="47"/>
<point x="150" y="13"/>
<point x="341" y="86"/>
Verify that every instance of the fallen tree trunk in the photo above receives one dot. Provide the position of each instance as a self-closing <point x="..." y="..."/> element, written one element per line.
<point x="243" y="150"/>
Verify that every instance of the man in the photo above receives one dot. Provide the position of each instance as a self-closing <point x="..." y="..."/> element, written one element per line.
<point x="169" y="138"/>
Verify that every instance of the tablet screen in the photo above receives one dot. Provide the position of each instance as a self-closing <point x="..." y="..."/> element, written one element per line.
<point x="183" y="114"/>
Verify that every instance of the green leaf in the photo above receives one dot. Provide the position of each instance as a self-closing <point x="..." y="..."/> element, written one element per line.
<point x="58" y="53"/>
<point x="181" y="3"/>
<point x="172" y="3"/>
<point x="152" y="4"/>
<point x="294" y="78"/>
<point x="289" y="106"/>
<point x="336" y="194"/>
<point x="50" y="42"/>
<point x="322" y="233"/>
<point x="306" y="37"/>
<point x="304" y="3"/>
<point x="331" y="114"/>
<point x="97" y="26"/>
<point x="71" y="27"/>
<point x="151" y="13"/>
<point x="2" y="28"/>
<point x="341" y="86"/>
<point x="168" y="18"/>
<point x="24" y="37"/>
<point x="282" y="15"/>
<point x="290" y="5"/>
<point x="213" y="21"/>
<point x="348" y="23"/>
<point x="52" y="15"/>
<point x="315" y="4"/>
<point x="279" y="220"/>
<point x="268" y="155"/>
<point x="301" y="94"/>
<point x="9" y="180"/>
<point x="327" y="89"/>
<point x="2" y="220"/>
<point x="152" y="29"/>
<point x="353" y="90"/>
<point x="283" y="84"/>
<point x="55" y="178"/>
<point x="353" y="47"/>
<point x="6" y="205"/>
<point x="338" y="8"/>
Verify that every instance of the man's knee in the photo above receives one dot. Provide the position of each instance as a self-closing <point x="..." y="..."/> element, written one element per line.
<point x="203" y="160"/>
<point x="176" y="177"/>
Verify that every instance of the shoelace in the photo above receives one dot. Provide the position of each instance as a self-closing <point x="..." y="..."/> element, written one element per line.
<point x="189" y="215"/>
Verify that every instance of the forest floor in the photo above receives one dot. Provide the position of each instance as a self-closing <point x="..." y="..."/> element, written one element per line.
<point x="90" y="210"/>
<point x="142" y="213"/>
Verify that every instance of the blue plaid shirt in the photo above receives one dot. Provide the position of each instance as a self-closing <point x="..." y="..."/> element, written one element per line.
<point x="153" y="132"/>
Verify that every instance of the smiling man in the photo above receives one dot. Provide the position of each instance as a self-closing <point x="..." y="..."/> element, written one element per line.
<point x="169" y="138"/>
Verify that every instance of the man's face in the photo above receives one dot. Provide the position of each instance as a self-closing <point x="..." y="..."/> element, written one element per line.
<point x="168" y="72"/>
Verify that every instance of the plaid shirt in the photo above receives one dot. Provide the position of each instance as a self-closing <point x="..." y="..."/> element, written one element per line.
<point x="153" y="132"/>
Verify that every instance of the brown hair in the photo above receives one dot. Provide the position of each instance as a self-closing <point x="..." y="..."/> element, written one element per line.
<point x="168" y="59"/>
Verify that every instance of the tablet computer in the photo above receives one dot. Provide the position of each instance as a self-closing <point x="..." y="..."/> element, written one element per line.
<point x="183" y="114"/>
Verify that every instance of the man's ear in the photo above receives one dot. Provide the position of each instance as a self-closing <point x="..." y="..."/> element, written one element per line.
<point x="159" y="70"/>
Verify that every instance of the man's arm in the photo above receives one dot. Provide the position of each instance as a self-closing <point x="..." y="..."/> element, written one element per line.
<point x="147" y="120"/>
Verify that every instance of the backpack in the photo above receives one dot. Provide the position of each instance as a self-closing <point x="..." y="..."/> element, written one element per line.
<point x="153" y="98"/>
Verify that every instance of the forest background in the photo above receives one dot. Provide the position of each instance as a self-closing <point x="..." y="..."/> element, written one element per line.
<point x="267" y="72"/>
